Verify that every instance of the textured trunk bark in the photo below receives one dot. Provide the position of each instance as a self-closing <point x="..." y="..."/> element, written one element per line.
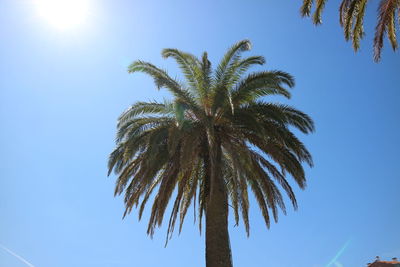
<point x="218" y="251"/>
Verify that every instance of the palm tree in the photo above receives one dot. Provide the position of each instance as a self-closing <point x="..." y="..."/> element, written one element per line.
<point x="352" y="14"/>
<point x="212" y="142"/>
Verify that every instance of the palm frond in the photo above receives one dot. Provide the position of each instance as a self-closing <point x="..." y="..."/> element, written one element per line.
<point x="343" y="8"/>
<point x="232" y="54"/>
<point x="392" y="29"/>
<point x="320" y="4"/>
<point x="224" y="72"/>
<point x="162" y="79"/>
<point x="190" y="66"/>
<point x="140" y="108"/>
<point x="260" y="84"/>
<point x="206" y="80"/>
<point x="386" y="11"/>
<point x="358" y="29"/>
<point x="305" y="9"/>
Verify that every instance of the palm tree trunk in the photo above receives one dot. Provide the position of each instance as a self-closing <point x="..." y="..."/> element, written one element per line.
<point x="218" y="251"/>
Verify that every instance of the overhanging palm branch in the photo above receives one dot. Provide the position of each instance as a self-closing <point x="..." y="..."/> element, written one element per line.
<point x="352" y="13"/>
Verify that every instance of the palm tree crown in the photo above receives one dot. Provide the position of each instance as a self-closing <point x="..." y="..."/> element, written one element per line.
<point x="352" y="14"/>
<point x="216" y="139"/>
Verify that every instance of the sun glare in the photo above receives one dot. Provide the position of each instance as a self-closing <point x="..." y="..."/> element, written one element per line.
<point x="63" y="14"/>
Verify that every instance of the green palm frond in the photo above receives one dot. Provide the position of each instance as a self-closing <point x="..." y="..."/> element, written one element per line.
<point x="260" y="84"/>
<point x="232" y="55"/>
<point x="162" y="79"/>
<point x="224" y="71"/>
<point x="141" y="108"/>
<point x="239" y="67"/>
<point x="189" y="65"/>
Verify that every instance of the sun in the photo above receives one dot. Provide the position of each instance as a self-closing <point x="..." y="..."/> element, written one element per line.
<point x="63" y="14"/>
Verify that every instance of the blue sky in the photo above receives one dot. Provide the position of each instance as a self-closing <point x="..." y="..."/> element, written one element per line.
<point x="61" y="92"/>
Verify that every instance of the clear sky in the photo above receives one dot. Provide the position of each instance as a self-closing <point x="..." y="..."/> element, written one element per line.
<point x="61" y="91"/>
